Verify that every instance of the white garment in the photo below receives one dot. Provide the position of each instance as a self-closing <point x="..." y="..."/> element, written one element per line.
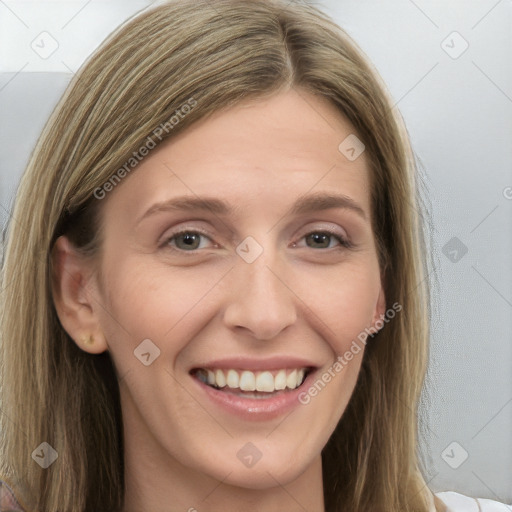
<point x="460" y="503"/>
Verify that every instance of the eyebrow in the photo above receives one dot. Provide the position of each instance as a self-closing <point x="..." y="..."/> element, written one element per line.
<point x="303" y="205"/>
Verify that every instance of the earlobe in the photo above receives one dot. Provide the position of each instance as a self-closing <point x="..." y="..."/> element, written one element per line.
<point x="73" y="296"/>
<point x="380" y="311"/>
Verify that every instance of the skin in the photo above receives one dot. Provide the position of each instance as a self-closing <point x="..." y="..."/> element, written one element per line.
<point x="310" y="300"/>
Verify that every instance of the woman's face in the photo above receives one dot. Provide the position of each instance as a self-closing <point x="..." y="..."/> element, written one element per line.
<point x="246" y="287"/>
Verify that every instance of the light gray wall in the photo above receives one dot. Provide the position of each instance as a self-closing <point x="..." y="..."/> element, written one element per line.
<point x="458" y="110"/>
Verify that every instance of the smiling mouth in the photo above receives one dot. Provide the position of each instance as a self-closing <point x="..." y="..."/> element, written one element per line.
<point x="252" y="384"/>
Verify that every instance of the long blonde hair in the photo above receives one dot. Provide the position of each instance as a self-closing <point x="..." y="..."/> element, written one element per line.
<point x="219" y="53"/>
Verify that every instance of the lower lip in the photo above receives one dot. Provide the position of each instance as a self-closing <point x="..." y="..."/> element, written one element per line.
<point x="253" y="409"/>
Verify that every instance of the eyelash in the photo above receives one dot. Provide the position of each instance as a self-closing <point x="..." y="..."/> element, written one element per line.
<point x="344" y="243"/>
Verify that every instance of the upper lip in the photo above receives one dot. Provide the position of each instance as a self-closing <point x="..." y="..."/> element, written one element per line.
<point x="251" y="364"/>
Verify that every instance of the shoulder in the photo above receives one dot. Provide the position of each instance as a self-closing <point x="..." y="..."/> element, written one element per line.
<point x="460" y="503"/>
<point x="8" y="501"/>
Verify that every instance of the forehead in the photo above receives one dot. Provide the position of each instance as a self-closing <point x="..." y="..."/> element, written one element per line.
<point x="267" y="149"/>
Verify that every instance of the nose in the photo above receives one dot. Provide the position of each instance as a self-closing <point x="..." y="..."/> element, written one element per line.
<point x="260" y="300"/>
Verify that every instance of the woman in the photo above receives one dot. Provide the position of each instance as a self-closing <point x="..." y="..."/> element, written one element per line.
<point x="172" y="336"/>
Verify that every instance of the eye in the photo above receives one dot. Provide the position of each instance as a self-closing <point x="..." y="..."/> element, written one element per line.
<point x="186" y="240"/>
<point x="322" y="239"/>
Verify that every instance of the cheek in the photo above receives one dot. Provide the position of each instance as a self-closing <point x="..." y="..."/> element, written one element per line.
<point x="148" y="300"/>
<point x="345" y="300"/>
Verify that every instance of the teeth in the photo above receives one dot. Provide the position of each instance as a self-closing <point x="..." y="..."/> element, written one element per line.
<point x="291" y="380"/>
<point x="232" y="379"/>
<point x="220" y="379"/>
<point x="280" y="380"/>
<point x="247" y="381"/>
<point x="266" y="381"/>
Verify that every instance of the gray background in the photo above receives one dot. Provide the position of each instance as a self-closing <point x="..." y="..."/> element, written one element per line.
<point x="458" y="110"/>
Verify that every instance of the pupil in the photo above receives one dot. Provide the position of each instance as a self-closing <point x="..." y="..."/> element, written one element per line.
<point x="320" y="237"/>
<point x="189" y="239"/>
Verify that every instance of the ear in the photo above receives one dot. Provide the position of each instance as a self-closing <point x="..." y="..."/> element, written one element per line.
<point x="74" y="289"/>
<point x="380" y="311"/>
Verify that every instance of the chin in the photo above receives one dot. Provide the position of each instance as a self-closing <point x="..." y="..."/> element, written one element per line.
<point x="268" y="468"/>
<point x="264" y="476"/>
